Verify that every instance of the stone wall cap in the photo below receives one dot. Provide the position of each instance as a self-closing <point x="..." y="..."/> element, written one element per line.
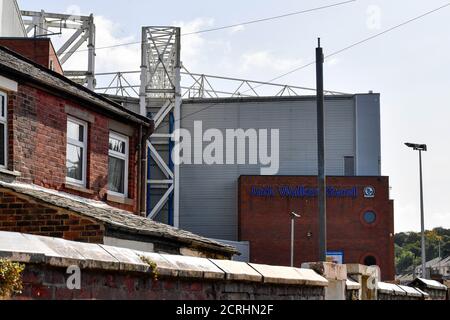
<point x="287" y="275"/>
<point x="352" y="285"/>
<point x="431" y="284"/>
<point x="412" y="292"/>
<point x="57" y="252"/>
<point x="328" y="270"/>
<point x="359" y="269"/>
<point x="17" y="247"/>
<point x="193" y="267"/>
<point x="62" y="253"/>
<point x="390" y="288"/>
<point x="239" y="271"/>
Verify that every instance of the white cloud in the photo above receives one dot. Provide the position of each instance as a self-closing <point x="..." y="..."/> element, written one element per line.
<point x="407" y="218"/>
<point x="237" y="29"/>
<point x="332" y="62"/>
<point x="193" y="46"/>
<point x="266" y="61"/>
<point x="120" y="58"/>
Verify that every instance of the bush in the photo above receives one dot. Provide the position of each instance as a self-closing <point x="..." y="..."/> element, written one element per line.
<point x="10" y="278"/>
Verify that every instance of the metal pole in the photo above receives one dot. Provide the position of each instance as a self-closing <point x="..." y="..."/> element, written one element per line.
<point x="424" y="275"/>
<point x="439" y="248"/>
<point x="292" y="240"/>
<point x="91" y="54"/>
<point x="177" y="126"/>
<point x="321" y="156"/>
<point x="144" y="75"/>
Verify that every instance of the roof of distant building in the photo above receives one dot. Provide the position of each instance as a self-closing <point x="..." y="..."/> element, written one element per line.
<point x="429" y="264"/>
<point x="432" y="284"/>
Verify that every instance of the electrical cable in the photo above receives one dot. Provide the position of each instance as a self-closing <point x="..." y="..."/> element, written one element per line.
<point x="330" y="55"/>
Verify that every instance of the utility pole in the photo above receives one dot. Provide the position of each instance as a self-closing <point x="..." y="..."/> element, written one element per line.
<point x="321" y="155"/>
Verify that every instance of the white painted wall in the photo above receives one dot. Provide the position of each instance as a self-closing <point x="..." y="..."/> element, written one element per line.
<point x="11" y="24"/>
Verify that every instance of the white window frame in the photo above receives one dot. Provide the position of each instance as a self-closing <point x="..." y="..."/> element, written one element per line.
<point x="121" y="156"/>
<point x="4" y="121"/>
<point x="83" y="145"/>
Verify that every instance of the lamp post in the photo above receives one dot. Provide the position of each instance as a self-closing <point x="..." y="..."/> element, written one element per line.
<point x="421" y="148"/>
<point x="293" y="217"/>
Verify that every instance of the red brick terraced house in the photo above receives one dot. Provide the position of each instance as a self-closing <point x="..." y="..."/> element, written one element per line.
<point x="73" y="165"/>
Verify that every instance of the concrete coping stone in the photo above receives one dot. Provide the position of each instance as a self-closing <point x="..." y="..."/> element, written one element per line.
<point x="16" y="247"/>
<point x="129" y="260"/>
<point x="389" y="288"/>
<point x="424" y="294"/>
<point x="193" y="267"/>
<point x="57" y="252"/>
<point x="95" y="256"/>
<point x="164" y="267"/>
<point x="290" y="276"/>
<point x="352" y="285"/>
<point x="432" y="284"/>
<point x="239" y="271"/>
<point x="312" y="278"/>
<point x="357" y="269"/>
<point x="412" y="292"/>
<point x="329" y="270"/>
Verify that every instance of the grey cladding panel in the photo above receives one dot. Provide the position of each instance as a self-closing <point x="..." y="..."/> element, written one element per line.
<point x="208" y="194"/>
<point x="368" y="133"/>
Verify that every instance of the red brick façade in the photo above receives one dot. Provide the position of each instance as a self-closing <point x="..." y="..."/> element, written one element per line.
<point x="37" y="125"/>
<point x="265" y="221"/>
<point x="38" y="106"/>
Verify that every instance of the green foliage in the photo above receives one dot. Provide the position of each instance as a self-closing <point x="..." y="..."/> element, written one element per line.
<point x="408" y="248"/>
<point x="153" y="266"/>
<point x="10" y="278"/>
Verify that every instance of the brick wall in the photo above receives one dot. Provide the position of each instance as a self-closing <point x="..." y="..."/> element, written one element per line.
<point x="20" y="215"/>
<point x="46" y="283"/>
<point x="265" y="222"/>
<point x="37" y="131"/>
<point x="41" y="51"/>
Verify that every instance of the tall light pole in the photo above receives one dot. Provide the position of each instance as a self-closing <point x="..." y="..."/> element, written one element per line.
<point x="421" y="148"/>
<point x="293" y="217"/>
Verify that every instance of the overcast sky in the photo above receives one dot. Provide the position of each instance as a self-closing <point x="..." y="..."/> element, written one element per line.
<point x="409" y="66"/>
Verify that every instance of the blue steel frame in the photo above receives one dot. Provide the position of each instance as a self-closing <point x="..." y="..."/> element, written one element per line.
<point x="171" y="166"/>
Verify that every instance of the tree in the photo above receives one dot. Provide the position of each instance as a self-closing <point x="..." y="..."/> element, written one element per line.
<point x="408" y="248"/>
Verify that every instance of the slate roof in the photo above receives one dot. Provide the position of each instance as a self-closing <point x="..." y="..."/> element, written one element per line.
<point x="444" y="262"/>
<point x="13" y="63"/>
<point x="118" y="219"/>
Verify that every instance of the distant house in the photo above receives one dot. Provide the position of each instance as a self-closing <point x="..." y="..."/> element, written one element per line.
<point x="441" y="269"/>
<point x="436" y="268"/>
<point x="73" y="164"/>
<point x="436" y="290"/>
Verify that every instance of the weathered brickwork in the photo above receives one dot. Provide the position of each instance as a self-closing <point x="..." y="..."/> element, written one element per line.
<point x="43" y="282"/>
<point x="20" y="215"/>
<point x="265" y="221"/>
<point x="37" y="149"/>
<point x="38" y="50"/>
